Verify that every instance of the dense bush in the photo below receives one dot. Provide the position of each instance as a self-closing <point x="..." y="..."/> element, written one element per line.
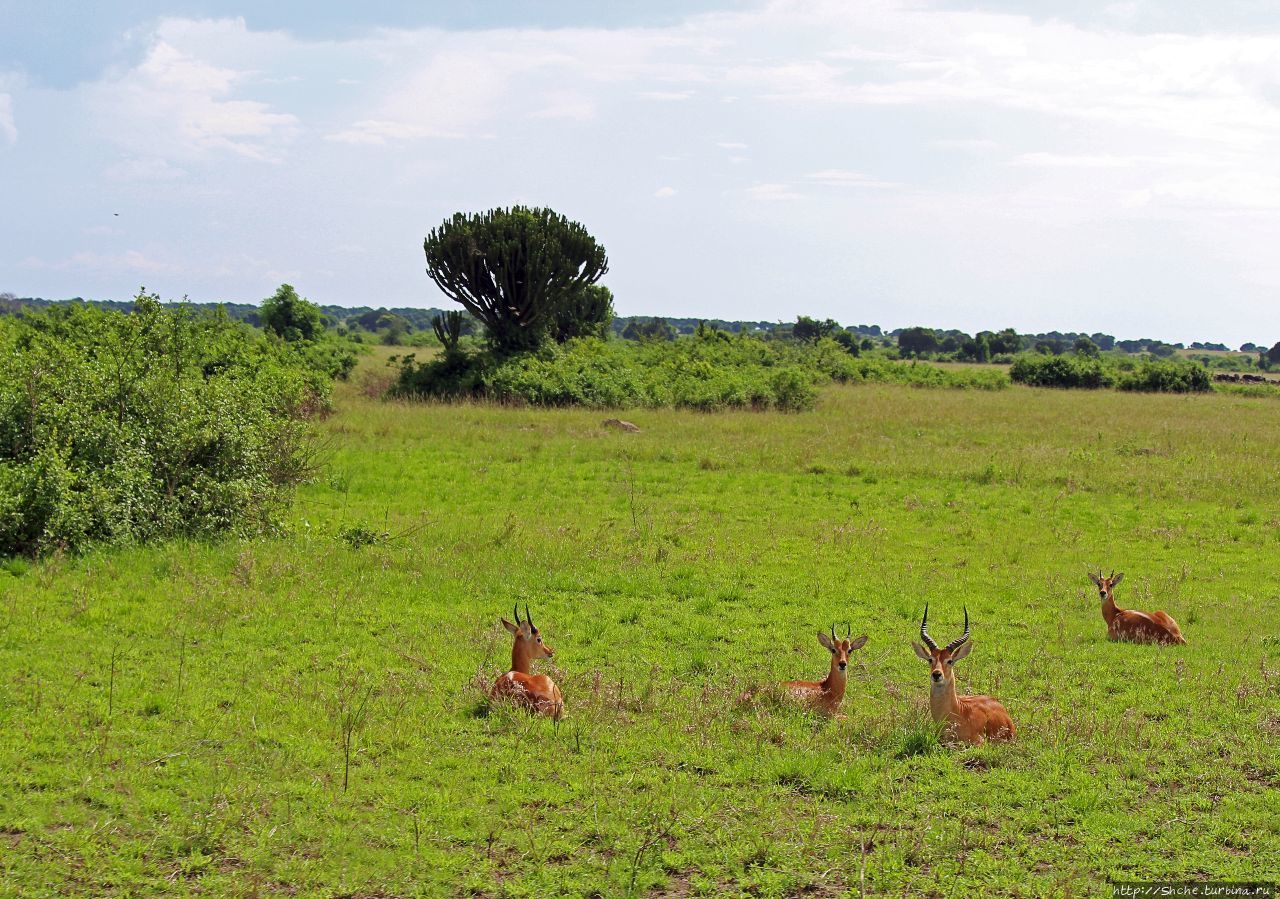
<point x="1062" y="371"/>
<point x="1092" y="372"/>
<point x="713" y="370"/>
<point x="1166" y="376"/>
<point x="121" y="427"/>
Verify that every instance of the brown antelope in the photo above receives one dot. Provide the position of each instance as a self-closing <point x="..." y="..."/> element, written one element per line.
<point x="825" y="696"/>
<point x="536" y="692"/>
<point x="1130" y="624"/>
<point x="968" y="719"/>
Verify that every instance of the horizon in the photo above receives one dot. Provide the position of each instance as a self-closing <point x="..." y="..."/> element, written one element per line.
<point x="947" y="164"/>
<point x="886" y="330"/>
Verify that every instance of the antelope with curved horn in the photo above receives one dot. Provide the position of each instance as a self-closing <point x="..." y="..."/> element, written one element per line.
<point x="1130" y="624"/>
<point x="825" y="696"/>
<point x="536" y="692"/>
<point x="969" y="719"/>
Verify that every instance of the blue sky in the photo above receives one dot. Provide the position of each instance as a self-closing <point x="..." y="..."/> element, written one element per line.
<point x="1109" y="166"/>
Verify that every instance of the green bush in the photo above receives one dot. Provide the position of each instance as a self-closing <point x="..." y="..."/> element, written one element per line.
<point x="1062" y="371"/>
<point x="121" y="428"/>
<point x="712" y="370"/>
<point x="1166" y="376"/>
<point x="1150" y="375"/>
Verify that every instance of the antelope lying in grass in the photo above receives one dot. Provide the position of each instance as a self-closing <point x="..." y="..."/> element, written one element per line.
<point x="968" y="719"/>
<point x="536" y="692"/>
<point x="825" y="696"/>
<point x="1130" y="624"/>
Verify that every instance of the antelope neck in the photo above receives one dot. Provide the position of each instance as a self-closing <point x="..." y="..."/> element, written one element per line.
<point x="836" y="680"/>
<point x="520" y="660"/>
<point x="942" y="698"/>
<point x="1109" y="608"/>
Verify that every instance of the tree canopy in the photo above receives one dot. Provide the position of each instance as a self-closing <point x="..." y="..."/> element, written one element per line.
<point x="291" y="316"/>
<point x="522" y="271"/>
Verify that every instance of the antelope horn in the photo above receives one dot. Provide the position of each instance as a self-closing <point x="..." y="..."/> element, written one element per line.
<point x="956" y="644"/>
<point x="516" y="610"/>
<point x="848" y="630"/>
<point x="527" y="616"/>
<point x="924" y="633"/>
<point x="833" y="632"/>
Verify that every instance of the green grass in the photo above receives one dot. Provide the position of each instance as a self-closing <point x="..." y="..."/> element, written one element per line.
<point x="179" y="719"/>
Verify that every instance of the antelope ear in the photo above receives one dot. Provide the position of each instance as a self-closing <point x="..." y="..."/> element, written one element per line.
<point x="922" y="652"/>
<point x="515" y="629"/>
<point x="961" y="651"/>
<point x="858" y="643"/>
<point x="1097" y="580"/>
<point x="1117" y="579"/>
<point x="826" y="641"/>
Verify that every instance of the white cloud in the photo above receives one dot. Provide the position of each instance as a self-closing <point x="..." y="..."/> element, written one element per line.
<point x="129" y="261"/>
<point x="975" y="144"/>
<point x="843" y="178"/>
<point x="176" y="105"/>
<point x="7" y="127"/>
<point x="144" y="169"/>
<point x="770" y="192"/>
<point x="664" y="192"/>
<point x="380" y="133"/>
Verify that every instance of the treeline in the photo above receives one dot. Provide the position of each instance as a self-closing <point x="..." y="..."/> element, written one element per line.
<point x="404" y="326"/>
<point x="359" y="322"/>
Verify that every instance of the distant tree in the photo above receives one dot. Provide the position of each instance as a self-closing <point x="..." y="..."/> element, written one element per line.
<point x="976" y="348"/>
<point x="1267" y="359"/>
<point x="394" y="328"/>
<point x="1085" y="347"/>
<point x="849" y="341"/>
<point x="514" y="269"/>
<point x="1249" y="348"/>
<point x="1163" y="350"/>
<point x="917" y="341"/>
<point x="1105" y="342"/>
<point x="448" y="327"/>
<point x="810" y="330"/>
<point x="289" y="315"/>
<point x="654" y="329"/>
<point x="1006" y="341"/>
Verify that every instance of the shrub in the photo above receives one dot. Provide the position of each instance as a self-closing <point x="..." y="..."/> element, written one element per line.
<point x="1166" y="376"/>
<point x="712" y="370"/>
<point x="1062" y="371"/>
<point x="121" y="428"/>
<point x="1152" y="375"/>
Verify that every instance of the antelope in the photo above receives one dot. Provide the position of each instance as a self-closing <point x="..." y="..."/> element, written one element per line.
<point x="825" y="696"/>
<point x="1130" y="624"/>
<point x="968" y="719"/>
<point x="536" y="692"/>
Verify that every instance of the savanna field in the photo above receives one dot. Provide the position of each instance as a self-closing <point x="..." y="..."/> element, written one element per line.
<point x="305" y="715"/>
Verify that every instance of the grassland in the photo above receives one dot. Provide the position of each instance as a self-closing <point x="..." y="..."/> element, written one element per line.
<point x="305" y="716"/>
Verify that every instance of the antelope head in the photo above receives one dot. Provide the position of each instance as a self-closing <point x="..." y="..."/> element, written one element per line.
<point x="528" y="639"/>
<point x="840" y="648"/>
<point x="1106" y="584"/>
<point x="942" y="659"/>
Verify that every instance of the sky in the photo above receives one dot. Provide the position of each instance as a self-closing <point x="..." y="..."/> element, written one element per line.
<point x="1078" y="165"/>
